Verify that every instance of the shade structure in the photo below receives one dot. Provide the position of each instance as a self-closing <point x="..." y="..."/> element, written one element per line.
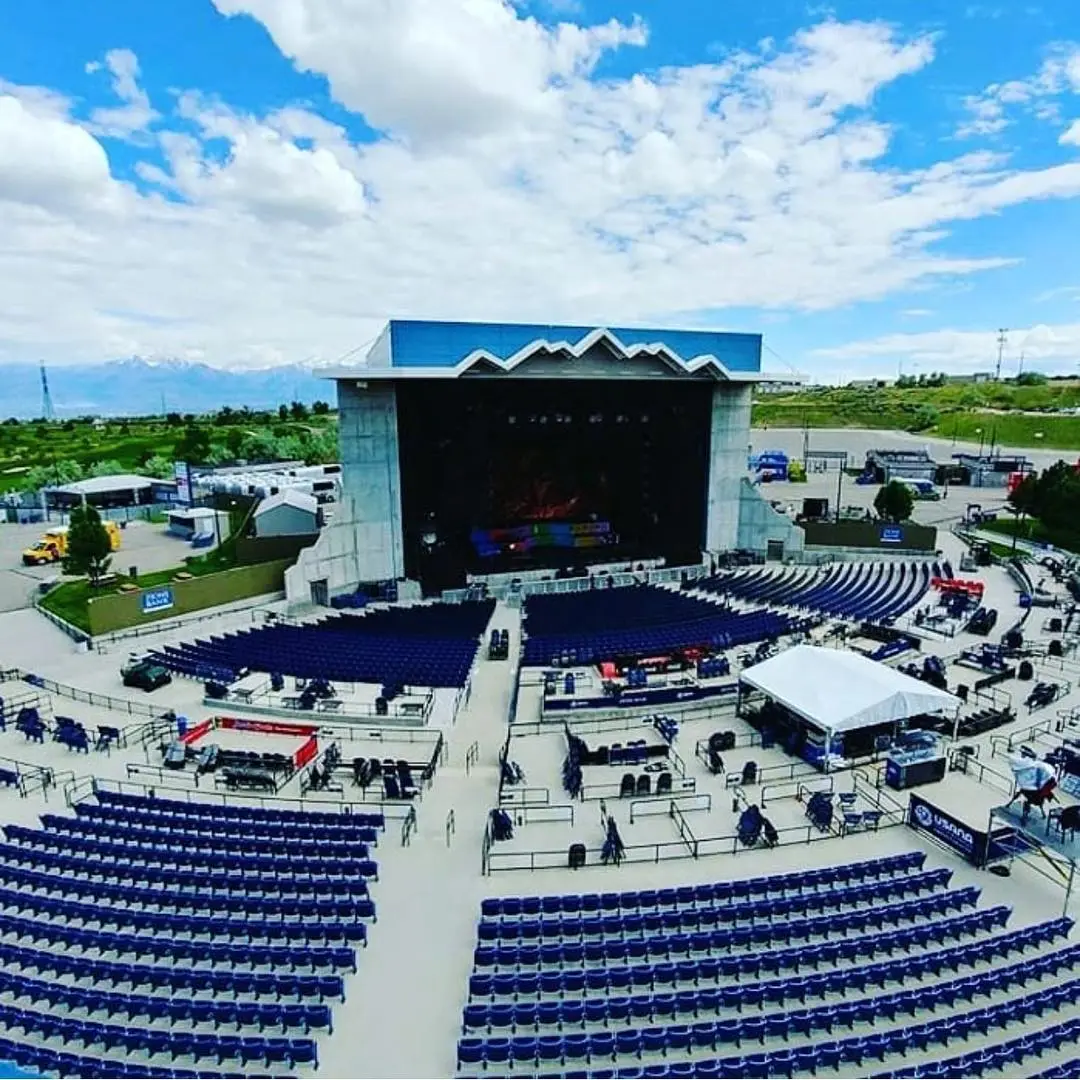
<point x="838" y="691"/>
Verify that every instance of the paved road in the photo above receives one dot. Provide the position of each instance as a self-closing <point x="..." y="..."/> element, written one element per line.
<point x="857" y="441"/>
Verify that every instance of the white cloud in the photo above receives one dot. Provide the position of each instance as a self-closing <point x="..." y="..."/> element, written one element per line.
<point x="136" y="114"/>
<point x="1053" y="349"/>
<point x="47" y="163"/>
<point x="916" y="313"/>
<point x="994" y="109"/>
<point x="1071" y="135"/>
<point x="434" y="68"/>
<point x="756" y="181"/>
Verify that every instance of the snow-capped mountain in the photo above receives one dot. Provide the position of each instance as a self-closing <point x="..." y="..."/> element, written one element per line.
<point x="137" y="387"/>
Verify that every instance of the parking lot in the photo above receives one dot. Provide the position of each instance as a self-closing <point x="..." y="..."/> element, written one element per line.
<point x="856" y="443"/>
<point x="143" y="545"/>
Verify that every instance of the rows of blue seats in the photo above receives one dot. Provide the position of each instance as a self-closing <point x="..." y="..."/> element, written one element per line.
<point x="220" y="977"/>
<point x="212" y="883"/>
<point x="425" y="645"/>
<point x="583" y="996"/>
<point x="652" y="918"/>
<point x="660" y="946"/>
<point x="634" y="607"/>
<point x="151" y="1042"/>
<point x="690" y="895"/>
<point x="195" y="940"/>
<point x="282" y="846"/>
<point x="134" y="861"/>
<point x="233" y="814"/>
<point x="183" y="852"/>
<point x="1005" y="1057"/>
<point x="47" y="1062"/>
<point x="238" y="820"/>
<point x="865" y="592"/>
<point x="309" y="903"/>
<point x="171" y="1010"/>
<point x="1002" y="1057"/>
<point x="720" y="630"/>
<point x="578" y="1012"/>
<point x="606" y="1045"/>
<point x="581" y="966"/>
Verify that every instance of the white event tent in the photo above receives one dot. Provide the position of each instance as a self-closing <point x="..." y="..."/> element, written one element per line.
<point x="837" y="690"/>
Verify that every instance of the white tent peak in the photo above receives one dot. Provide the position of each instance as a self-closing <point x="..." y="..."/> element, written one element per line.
<point x="839" y="690"/>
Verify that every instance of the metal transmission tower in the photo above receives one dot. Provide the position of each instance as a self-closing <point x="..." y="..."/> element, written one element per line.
<point x="46" y="398"/>
<point x="1001" y="349"/>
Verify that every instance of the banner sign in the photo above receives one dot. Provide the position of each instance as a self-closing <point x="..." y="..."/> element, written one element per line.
<point x="182" y="476"/>
<point x="266" y="727"/>
<point x="892" y="534"/>
<point x="633" y="699"/>
<point x="156" y="600"/>
<point x="193" y="735"/>
<point x="309" y="750"/>
<point x="923" y="816"/>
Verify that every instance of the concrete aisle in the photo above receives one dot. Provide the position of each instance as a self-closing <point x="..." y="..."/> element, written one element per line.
<point x="413" y="975"/>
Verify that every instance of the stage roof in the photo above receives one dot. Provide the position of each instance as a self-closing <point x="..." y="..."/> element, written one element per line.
<point x="838" y="690"/>
<point x="409" y="349"/>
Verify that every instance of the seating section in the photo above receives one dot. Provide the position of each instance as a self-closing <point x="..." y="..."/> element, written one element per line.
<point x="868" y="592"/>
<point x="424" y="645"/>
<point x="639" y="620"/>
<point x="755" y="978"/>
<point x="157" y="937"/>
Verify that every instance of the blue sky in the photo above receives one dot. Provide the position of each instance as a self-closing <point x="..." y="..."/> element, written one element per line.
<point x="250" y="182"/>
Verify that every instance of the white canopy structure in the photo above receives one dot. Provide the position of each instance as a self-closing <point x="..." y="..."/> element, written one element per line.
<point x="838" y="691"/>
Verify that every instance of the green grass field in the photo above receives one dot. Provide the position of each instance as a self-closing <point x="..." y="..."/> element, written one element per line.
<point x="1009" y="415"/>
<point x="1034" y="531"/>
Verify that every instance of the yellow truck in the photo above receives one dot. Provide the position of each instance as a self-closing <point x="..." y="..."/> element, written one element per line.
<point x="52" y="547"/>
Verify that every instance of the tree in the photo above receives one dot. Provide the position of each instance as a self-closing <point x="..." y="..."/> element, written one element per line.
<point x="1024" y="497"/>
<point x="159" y="467"/>
<point x="174" y="419"/>
<point x="894" y="502"/>
<point x="89" y="551"/>
<point x="925" y="416"/>
<point x="298" y="410"/>
<point x="194" y="446"/>
<point x="283" y="412"/>
<point x="105" y="468"/>
<point x="320" y="408"/>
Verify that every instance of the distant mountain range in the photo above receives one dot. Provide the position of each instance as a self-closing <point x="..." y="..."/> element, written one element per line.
<point x="143" y="387"/>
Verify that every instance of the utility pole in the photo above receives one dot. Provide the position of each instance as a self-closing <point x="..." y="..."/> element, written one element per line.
<point x="1020" y="371"/>
<point x="1001" y="349"/>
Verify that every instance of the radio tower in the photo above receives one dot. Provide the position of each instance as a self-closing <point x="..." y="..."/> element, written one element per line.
<point x="1001" y="340"/>
<point x="46" y="398"/>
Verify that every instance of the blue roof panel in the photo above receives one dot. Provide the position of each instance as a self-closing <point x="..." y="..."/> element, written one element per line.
<point x="446" y="344"/>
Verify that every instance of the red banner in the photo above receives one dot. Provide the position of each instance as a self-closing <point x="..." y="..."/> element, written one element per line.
<point x="194" y="734"/>
<point x="975" y="588"/>
<point x="309" y="750"/>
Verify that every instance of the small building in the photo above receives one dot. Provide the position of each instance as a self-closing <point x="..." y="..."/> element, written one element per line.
<point x="990" y="470"/>
<point x="888" y="465"/>
<point x="197" y="522"/>
<point x="124" y="489"/>
<point x="288" y="513"/>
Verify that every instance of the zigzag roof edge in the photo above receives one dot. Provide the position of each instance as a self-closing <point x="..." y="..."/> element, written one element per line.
<point x="578" y="349"/>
